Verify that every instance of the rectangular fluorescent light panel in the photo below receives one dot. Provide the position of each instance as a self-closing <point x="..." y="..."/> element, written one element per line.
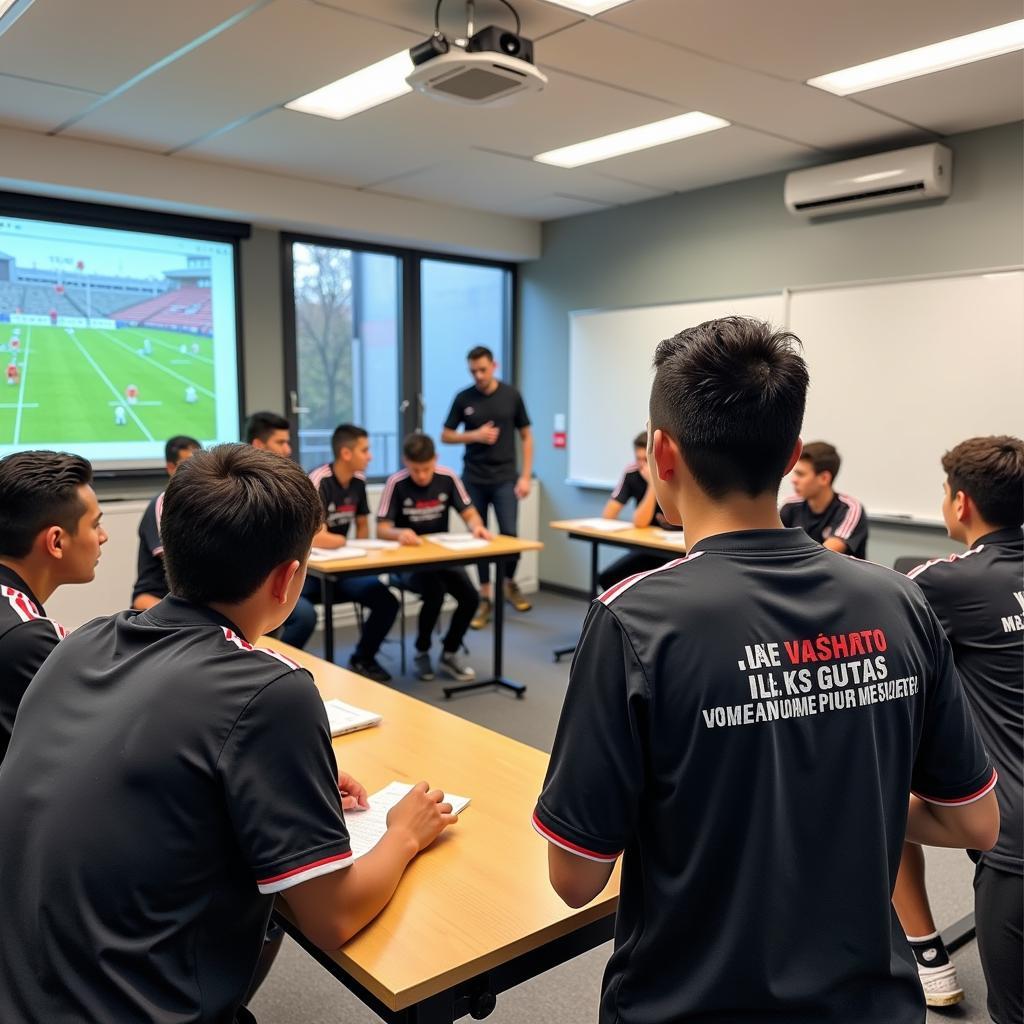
<point x="632" y="139"/>
<point x="369" y="87"/>
<point x="990" y="42"/>
<point x="589" y="6"/>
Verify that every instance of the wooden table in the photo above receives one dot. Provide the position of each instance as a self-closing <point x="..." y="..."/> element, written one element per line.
<point x="425" y="556"/>
<point x="475" y="914"/>
<point x="635" y="538"/>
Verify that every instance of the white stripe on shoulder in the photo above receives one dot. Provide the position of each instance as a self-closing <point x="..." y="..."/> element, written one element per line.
<point x="243" y="645"/>
<point x="463" y="493"/>
<point x="620" y="588"/>
<point x="949" y="558"/>
<point x="389" y="489"/>
<point x="27" y="611"/>
<point x="853" y="516"/>
<point x="319" y="474"/>
<point x="631" y="468"/>
<point x="159" y="509"/>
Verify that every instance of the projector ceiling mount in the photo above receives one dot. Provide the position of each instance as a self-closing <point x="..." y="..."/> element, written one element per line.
<point x="483" y="67"/>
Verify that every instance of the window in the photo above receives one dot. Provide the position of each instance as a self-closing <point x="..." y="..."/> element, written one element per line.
<point x="378" y="337"/>
<point x="463" y="305"/>
<point x="347" y="341"/>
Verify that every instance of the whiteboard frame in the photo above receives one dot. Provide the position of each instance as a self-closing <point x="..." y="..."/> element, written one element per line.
<point x="787" y="292"/>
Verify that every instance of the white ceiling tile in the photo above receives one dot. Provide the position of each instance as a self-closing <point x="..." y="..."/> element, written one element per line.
<point x="977" y="95"/>
<point x="99" y="44"/>
<point x="725" y="155"/>
<point x="278" y="53"/>
<point x="538" y="18"/>
<point x="798" y="39"/>
<point x="692" y="82"/>
<point x="507" y="184"/>
<point x="38" y="105"/>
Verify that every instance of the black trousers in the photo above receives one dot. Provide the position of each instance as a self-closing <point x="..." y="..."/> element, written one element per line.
<point x="502" y="498"/>
<point x="432" y="585"/>
<point x="999" y="923"/>
<point x="630" y="565"/>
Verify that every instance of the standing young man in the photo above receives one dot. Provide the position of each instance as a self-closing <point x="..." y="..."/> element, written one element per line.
<point x="341" y="486"/>
<point x="417" y="502"/>
<point x="747" y="725"/>
<point x="978" y="597"/>
<point x="491" y="412"/>
<point x="169" y="779"/>
<point x="634" y="485"/>
<point x="50" y="534"/>
<point x="835" y="520"/>
<point x="150" y="579"/>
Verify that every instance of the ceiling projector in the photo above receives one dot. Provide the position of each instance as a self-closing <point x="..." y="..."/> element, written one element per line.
<point x="488" y="66"/>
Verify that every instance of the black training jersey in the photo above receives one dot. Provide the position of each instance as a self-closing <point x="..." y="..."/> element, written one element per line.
<point x="150" y="577"/>
<point x="422" y="509"/>
<point x="167" y="779"/>
<point x="26" y="637"/>
<point x="979" y="599"/>
<point x="490" y="463"/>
<point x="342" y="504"/>
<point x="632" y="487"/>
<point x="844" y="519"/>
<point x="747" y="724"/>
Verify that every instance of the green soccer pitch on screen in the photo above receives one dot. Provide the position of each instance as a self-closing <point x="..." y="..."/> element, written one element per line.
<point x="113" y="341"/>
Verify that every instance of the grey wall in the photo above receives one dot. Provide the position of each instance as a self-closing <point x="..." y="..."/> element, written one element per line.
<point x="737" y="239"/>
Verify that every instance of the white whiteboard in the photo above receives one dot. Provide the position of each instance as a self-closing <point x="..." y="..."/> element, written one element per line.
<point x="902" y="371"/>
<point x="610" y="374"/>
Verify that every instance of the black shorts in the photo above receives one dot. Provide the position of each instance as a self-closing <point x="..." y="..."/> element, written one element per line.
<point x="999" y="922"/>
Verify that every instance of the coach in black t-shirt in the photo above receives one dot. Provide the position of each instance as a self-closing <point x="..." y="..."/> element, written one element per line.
<point x="978" y="597"/>
<point x="491" y="413"/>
<point x="635" y="485"/>
<point x="168" y="779"/>
<point x="836" y="520"/>
<point x="50" y="534"/>
<point x="747" y="725"/>
<point x="150" y="579"/>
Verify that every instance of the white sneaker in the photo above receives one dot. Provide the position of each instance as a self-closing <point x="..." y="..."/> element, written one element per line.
<point x="940" y="984"/>
<point x="451" y="665"/>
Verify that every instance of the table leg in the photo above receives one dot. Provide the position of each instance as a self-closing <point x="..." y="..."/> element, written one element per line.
<point x="499" y="636"/>
<point x="564" y="652"/>
<point x="327" y="597"/>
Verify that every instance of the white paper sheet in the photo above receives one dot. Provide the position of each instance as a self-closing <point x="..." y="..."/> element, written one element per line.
<point x="469" y="544"/>
<point x="366" y="828"/>
<point x="335" y="554"/>
<point x="343" y="718"/>
<point x="370" y="544"/>
<point x="672" y="537"/>
<point x="607" y="525"/>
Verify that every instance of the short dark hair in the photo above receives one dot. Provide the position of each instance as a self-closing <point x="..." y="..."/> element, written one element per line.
<point x="480" y="352"/>
<point x="260" y="425"/>
<point x="177" y="446"/>
<point x="346" y="435"/>
<point x="230" y="516"/>
<point x="39" y="490"/>
<point x="990" y="471"/>
<point x="419" y="447"/>
<point x="640" y="441"/>
<point x="822" y="456"/>
<point x="731" y="393"/>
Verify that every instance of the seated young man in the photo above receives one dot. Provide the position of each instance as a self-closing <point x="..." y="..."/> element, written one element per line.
<point x="835" y="520"/>
<point x="269" y="431"/>
<point x="416" y="502"/>
<point x="150" y="579"/>
<point x="50" y="534"/>
<point x="978" y="597"/>
<point x="169" y="779"/>
<point x="634" y="485"/>
<point x="747" y="725"/>
<point x="342" y="488"/>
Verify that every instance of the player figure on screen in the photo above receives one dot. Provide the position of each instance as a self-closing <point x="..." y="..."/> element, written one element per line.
<point x="147" y="347"/>
<point x="190" y="395"/>
<point x="195" y="348"/>
<point x="14" y="343"/>
<point x="131" y="393"/>
<point x="183" y="349"/>
<point x="12" y="373"/>
<point x="120" y="419"/>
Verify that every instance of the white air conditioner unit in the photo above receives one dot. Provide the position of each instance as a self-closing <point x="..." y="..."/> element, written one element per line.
<point x="885" y="179"/>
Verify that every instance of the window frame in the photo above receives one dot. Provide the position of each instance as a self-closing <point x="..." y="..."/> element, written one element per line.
<point x="410" y="378"/>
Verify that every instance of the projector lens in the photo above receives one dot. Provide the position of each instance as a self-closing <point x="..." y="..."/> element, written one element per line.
<point x="509" y="43"/>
